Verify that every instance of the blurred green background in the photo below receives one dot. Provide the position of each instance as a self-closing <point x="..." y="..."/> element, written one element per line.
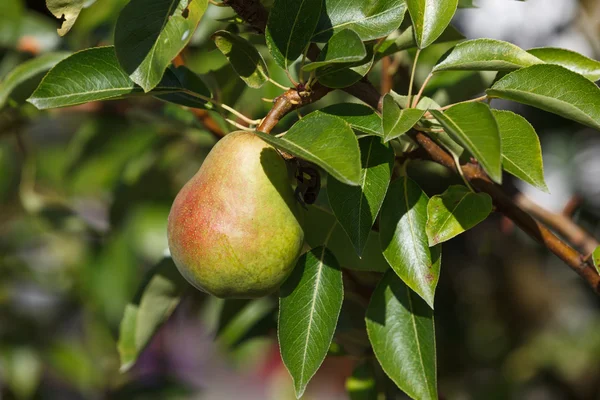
<point x="84" y="198"/>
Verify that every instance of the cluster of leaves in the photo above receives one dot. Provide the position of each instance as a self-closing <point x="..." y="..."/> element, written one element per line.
<point x="354" y="144"/>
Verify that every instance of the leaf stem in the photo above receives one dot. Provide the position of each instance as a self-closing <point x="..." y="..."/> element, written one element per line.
<point x="412" y="78"/>
<point x="279" y="85"/>
<point x="423" y="86"/>
<point x="224" y="107"/>
<point x="239" y="126"/>
<point x="482" y="98"/>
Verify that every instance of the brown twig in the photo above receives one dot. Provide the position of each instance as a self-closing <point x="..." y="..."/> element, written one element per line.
<point x="386" y="75"/>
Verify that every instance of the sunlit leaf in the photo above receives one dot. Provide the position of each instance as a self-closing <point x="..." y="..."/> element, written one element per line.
<point x="430" y="18"/>
<point x="244" y="58"/>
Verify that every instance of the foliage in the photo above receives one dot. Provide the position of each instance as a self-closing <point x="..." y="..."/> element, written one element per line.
<point x="372" y="219"/>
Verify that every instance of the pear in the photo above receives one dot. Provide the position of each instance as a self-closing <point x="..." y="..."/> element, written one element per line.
<point x="235" y="228"/>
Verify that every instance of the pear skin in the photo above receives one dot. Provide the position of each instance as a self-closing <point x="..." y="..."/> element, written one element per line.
<point x="235" y="228"/>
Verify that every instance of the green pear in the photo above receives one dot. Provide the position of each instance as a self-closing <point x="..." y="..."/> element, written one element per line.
<point x="235" y="228"/>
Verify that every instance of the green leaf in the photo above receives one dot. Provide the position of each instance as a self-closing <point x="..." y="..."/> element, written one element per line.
<point x="150" y="33"/>
<point x="67" y="9"/>
<point x="455" y="211"/>
<point x="361" y="385"/>
<point x="185" y="83"/>
<point x="404" y="240"/>
<point x="240" y="319"/>
<point x="552" y="88"/>
<point x="473" y="125"/>
<point x="101" y="78"/>
<point x="356" y="207"/>
<point x="570" y="60"/>
<point x="318" y="223"/>
<point x="360" y="117"/>
<point x="324" y="140"/>
<point x="397" y="122"/>
<point x="343" y="47"/>
<point x="290" y="26"/>
<point x="157" y="301"/>
<point x="521" y="150"/>
<point x="22" y="81"/>
<point x="338" y="76"/>
<point x="486" y="55"/>
<point x="401" y="330"/>
<point x="596" y="259"/>
<point x="244" y="58"/>
<point x="430" y="18"/>
<point x="310" y="301"/>
<point x="407" y="40"/>
<point x="370" y="19"/>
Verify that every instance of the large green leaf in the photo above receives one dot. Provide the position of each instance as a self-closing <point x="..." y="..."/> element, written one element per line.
<point x="290" y="26"/>
<point x="343" y="47"/>
<point x="156" y="301"/>
<point x="244" y="58"/>
<point x="521" y="150"/>
<point x="65" y="9"/>
<point x="486" y="55"/>
<point x="455" y="211"/>
<point x="398" y="121"/>
<point x="406" y="40"/>
<point x="401" y="330"/>
<point x="473" y="125"/>
<point x="430" y="18"/>
<point x="361" y="117"/>
<point x="370" y="19"/>
<point x="552" y="88"/>
<point x="318" y="224"/>
<point x="101" y="78"/>
<point x="342" y="75"/>
<point x="22" y="81"/>
<point x="325" y="140"/>
<point x="150" y="33"/>
<point x="569" y="59"/>
<point x="310" y="301"/>
<point x="404" y="239"/>
<point x="356" y="207"/>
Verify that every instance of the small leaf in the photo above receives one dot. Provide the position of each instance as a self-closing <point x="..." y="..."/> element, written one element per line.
<point x="361" y="385"/>
<point x="290" y="26"/>
<point x="157" y="301"/>
<point x="244" y="58"/>
<point x="360" y="117"/>
<point x="473" y="125"/>
<point x="455" y="211"/>
<point x="67" y="9"/>
<point x="318" y="224"/>
<point x="356" y="207"/>
<point x="430" y="18"/>
<point x="343" y="47"/>
<point x="310" y="301"/>
<point x="521" y="150"/>
<point x="150" y="33"/>
<point x="404" y="240"/>
<point x="338" y="76"/>
<point x="397" y="122"/>
<point x="596" y="259"/>
<point x="570" y="60"/>
<point x="324" y="140"/>
<point x="101" y="78"/>
<point x="369" y="19"/>
<point x="406" y="41"/>
<point x="552" y="88"/>
<point x="401" y="330"/>
<point x="22" y="81"/>
<point x="486" y="55"/>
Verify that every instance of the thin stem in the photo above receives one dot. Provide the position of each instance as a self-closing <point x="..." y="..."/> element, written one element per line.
<point x="301" y="77"/>
<point x="239" y="126"/>
<point x="423" y="86"/>
<point x="279" y="85"/>
<point x="460" y="171"/>
<point x="412" y="78"/>
<point x="482" y="98"/>
<point x="224" y="107"/>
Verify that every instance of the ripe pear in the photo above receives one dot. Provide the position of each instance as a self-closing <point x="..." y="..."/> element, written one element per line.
<point x="235" y="228"/>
